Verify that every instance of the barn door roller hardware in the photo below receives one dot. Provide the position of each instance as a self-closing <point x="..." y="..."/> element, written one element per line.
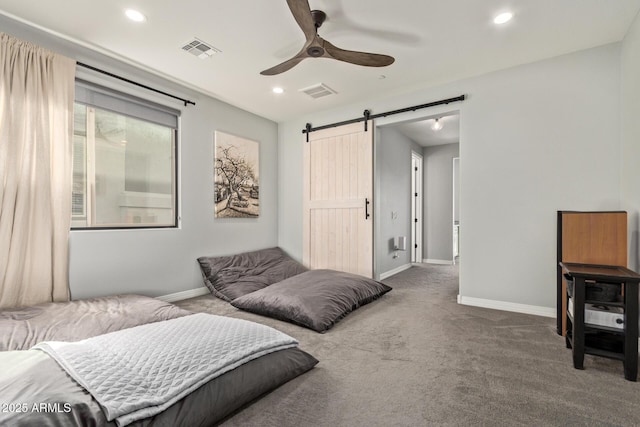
<point x="366" y="116"/>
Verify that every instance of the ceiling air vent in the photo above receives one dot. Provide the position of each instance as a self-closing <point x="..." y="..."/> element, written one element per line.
<point x="318" y="90"/>
<point x="200" y="49"/>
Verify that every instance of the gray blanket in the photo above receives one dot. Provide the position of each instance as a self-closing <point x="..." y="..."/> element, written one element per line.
<point x="138" y="372"/>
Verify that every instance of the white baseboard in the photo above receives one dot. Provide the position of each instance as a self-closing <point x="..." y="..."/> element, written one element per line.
<point x="508" y="306"/>
<point x="438" y="261"/>
<point x="394" y="271"/>
<point x="178" y="296"/>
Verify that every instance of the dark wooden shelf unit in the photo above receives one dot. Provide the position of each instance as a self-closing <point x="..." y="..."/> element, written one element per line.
<point x="604" y="341"/>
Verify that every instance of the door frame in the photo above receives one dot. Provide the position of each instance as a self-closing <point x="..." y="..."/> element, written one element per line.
<point x="417" y="200"/>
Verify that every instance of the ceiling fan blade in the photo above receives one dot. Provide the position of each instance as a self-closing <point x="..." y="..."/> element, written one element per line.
<point x="302" y="13"/>
<point x="286" y="65"/>
<point x="359" y="58"/>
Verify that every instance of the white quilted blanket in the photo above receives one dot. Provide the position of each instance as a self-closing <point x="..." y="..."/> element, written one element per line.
<point x="138" y="372"/>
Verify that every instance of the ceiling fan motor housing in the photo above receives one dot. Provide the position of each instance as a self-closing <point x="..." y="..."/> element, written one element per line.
<point x="315" y="51"/>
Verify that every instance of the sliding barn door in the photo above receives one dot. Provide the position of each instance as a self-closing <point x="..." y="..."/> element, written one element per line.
<point x="338" y="190"/>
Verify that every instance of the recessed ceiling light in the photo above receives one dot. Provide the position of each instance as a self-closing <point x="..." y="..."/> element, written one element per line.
<point x="277" y="90"/>
<point x="503" y="18"/>
<point x="135" y="15"/>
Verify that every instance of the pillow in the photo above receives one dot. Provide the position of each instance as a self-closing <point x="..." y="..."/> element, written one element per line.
<point x="316" y="299"/>
<point x="230" y="277"/>
<point x="23" y="327"/>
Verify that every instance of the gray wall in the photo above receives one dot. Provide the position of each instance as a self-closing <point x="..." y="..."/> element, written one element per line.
<point x="520" y="128"/>
<point x="438" y="201"/>
<point x="160" y="262"/>
<point x="630" y="59"/>
<point x="393" y="194"/>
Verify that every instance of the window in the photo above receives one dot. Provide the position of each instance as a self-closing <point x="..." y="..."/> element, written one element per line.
<point x="124" y="161"/>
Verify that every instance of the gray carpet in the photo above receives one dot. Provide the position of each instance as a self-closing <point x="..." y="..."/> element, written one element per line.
<point x="417" y="358"/>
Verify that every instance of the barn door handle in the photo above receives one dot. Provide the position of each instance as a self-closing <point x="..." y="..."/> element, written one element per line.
<point x="366" y="208"/>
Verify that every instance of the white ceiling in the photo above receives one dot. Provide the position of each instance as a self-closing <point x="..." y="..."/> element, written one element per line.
<point x="433" y="41"/>
<point x="422" y="133"/>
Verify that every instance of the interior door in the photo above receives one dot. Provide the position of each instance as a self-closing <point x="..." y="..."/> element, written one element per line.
<point x="338" y="189"/>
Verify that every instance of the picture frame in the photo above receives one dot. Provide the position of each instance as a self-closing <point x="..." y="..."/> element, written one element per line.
<point x="236" y="166"/>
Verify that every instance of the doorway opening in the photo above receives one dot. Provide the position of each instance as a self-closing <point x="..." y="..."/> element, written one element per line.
<point x="456" y="210"/>
<point x="413" y="191"/>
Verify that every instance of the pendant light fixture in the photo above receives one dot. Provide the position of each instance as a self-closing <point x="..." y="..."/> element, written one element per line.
<point x="436" y="125"/>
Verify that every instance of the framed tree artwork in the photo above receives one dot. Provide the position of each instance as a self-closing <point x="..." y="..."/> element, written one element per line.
<point x="236" y="177"/>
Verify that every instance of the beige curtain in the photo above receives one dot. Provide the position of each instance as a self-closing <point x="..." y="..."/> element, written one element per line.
<point x="36" y="131"/>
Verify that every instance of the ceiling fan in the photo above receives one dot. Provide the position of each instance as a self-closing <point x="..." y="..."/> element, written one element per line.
<point x="316" y="47"/>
